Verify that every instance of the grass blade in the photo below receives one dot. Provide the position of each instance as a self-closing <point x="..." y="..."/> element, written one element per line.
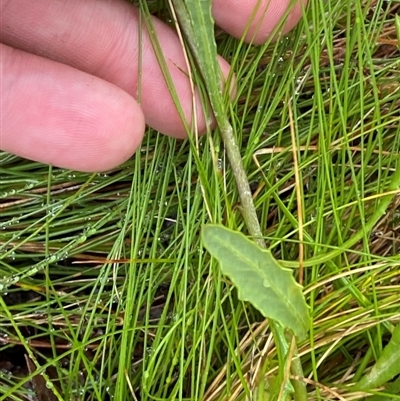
<point x="386" y="367"/>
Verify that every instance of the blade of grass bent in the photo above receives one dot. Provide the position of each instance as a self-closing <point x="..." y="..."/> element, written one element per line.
<point x="198" y="26"/>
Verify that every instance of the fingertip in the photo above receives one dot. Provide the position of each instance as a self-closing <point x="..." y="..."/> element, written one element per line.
<point x="55" y="114"/>
<point x="116" y="139"/>
<point x="258" y="18"/>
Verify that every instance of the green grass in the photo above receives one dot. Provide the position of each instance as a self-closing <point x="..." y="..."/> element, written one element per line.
<point x="128" y="305"/>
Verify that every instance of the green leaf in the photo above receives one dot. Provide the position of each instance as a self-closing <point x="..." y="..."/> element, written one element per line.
<point x="195" y="18"/>
<point x="259" y="278"/>
<point x="386" y="367"/>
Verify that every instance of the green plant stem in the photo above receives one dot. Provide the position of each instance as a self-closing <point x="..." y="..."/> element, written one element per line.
<point x="196" y="22"/>
<point x="195" y="18"/>
<point x="296" y="369"/>
<point x="235" y="160"/>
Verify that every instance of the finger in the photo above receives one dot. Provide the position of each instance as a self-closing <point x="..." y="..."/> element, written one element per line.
<point x="235" y="15"/>
<point x="101" y="37"/>
<point x="58" y="115"/>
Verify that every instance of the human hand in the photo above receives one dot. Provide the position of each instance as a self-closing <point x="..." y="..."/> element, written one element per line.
<point x="69" y="77"/>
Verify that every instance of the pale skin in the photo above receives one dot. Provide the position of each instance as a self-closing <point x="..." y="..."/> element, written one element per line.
<point x="69" y="77"/>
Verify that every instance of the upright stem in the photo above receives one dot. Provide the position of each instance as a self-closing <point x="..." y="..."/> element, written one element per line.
<point x="196" y="22"/>
<point x="246" y="199"/>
